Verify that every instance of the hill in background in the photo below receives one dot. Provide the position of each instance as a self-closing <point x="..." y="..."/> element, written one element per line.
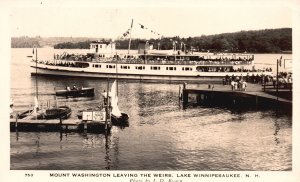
<point x="258" y="41"/>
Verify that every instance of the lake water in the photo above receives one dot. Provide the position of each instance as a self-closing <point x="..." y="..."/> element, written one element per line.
<point x="160" y="136"/>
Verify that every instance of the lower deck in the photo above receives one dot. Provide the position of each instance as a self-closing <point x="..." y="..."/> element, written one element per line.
<point x="141" y="72"/>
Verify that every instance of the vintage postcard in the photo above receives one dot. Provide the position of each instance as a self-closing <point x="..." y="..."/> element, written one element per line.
<point x="162" y="91"/>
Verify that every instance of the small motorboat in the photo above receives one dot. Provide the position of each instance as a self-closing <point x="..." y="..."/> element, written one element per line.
<point x="76" y="92"/>
<point x="61" y="112"/>
<point x="57" y="112"/>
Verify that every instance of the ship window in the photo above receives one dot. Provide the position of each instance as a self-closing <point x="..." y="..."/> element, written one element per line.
<point x="171" y="68"/>
<point x="125" y="67"/>
<point x="155" y="68"/>
<point x="97" y="66"/>
<point x="140" y="67"/>
<point x="187" y="69"/>
<point x="110" y="66"/>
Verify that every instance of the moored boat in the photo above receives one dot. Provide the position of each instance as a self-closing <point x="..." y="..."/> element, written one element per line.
<point x="61" y="112"/>
<point x="57" y="112"/>
<point x="76" y="92"/>
<point x="117" y="117"/>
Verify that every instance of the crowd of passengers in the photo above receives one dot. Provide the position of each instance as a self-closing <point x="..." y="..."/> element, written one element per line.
<point x="210" y="60"/>
<point x="284" y="79"/>
<point x="221" y="58"/>
<point x="231" y="69"/>
<point x="204" y="69"/>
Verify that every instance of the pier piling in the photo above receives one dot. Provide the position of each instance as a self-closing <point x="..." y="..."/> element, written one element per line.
<point x="185" y="95"/>
<point x="16" y="123"/>
<point x="60" y="123"/>
<point x="85" y="126"/>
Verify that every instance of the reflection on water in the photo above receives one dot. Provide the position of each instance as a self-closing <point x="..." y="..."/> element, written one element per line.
<point x="161" y="135"/>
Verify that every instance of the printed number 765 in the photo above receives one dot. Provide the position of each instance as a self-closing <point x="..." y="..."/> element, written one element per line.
<point x="28" y="175"/>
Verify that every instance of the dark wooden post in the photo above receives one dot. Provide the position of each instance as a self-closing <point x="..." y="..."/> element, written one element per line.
<point x="85" y="126"/>
<point x="256" y="101"/>
<point x="60" y="123"/>
<point x="107" y="109"/>
<point x="16" y="123"/>
<point x="277" y="79"/>
<point x="185" y="95"/>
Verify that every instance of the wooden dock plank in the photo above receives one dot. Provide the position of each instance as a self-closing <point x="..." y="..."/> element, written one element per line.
<point x="53" y="121"/>
<point x="252" y="89"/>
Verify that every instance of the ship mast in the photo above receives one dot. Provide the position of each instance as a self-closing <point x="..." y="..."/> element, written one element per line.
<point x="36" y="83"/>
<point x="130" y="36"/>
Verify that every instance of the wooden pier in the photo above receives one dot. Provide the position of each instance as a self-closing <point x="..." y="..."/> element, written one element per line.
<point x="55" y="125"/>
<point x="255" y="95"/>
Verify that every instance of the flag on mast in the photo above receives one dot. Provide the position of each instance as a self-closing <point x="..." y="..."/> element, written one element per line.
<point x="280" y="61"/>
<point x="131" y="23"/>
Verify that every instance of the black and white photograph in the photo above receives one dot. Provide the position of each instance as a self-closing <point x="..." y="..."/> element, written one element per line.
<point x="150" y="91"/>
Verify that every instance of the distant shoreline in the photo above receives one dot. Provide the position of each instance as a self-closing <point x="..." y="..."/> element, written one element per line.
<point x="258" y="41"/>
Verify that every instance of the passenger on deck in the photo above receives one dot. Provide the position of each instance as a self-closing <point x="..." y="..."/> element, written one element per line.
<point x="74" y="87"/>
<point x="235" y="85"/>
<point x="68" y="88"/>
<point x="232" y="85"/>
<point x="244" y="85"/>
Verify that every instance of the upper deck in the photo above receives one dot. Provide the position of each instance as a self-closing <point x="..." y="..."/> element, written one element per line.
<point x="161" y="59"/>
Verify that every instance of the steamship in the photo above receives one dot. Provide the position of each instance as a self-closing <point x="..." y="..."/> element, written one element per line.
<point x="104" y="61"/>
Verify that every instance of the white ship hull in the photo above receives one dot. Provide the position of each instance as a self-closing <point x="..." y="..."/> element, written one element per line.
<point x="146" y="74"/>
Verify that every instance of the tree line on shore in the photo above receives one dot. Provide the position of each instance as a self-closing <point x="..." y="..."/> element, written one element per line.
<point x="258" y="41"/>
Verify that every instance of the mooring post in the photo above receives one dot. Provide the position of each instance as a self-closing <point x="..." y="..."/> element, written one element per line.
<point x="107" y="108"/>
<point x="85" y="126"/>
<point x="212" y="92"/>
<point x="60" y="123"/>
<point x="198" y="98"/>
<point x="180" y="94"/>
<point x="256" y="100"/>
<point x="185" y="95"/>
<point x="60" y="136"/>
<point x="16" y="123"/>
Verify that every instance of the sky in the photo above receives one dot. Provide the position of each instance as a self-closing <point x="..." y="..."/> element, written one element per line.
<point x="166" y="19"/>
